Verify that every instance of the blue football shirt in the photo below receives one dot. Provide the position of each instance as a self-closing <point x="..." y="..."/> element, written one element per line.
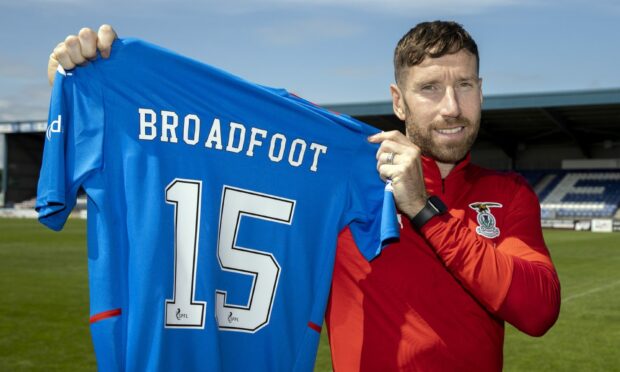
<point x="214" y="206"/>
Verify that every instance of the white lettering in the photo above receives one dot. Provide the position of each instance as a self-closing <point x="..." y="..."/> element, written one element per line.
<point x="147" y="124"/>
<point x="168" y="127"/>
<point x="215" y="135"/>
<point x="254" y="141"/>
<point x="296" y="143"/>
<point x="318" y="149"/>
<point x="168" y="122"/>
<point x="234" y="127"/>
<point x="54" y="127"/>
<point x="277" y="136"/>
<point x="186" y="123"/>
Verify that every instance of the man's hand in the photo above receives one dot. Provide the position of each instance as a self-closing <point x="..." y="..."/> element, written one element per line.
<point x="77" y="50"/>
<point x="399" y="160"/>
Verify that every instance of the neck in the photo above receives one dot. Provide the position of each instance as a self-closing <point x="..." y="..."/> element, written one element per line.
<point x="445" y="168"/>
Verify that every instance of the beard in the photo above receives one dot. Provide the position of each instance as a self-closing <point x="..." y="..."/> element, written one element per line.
<point x="453" y="153"/>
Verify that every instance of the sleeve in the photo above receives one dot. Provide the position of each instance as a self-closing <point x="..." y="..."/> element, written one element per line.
<point x="516" y="279"/>
<point x="73" y="144"/>
<point x="372" y="213"/>
<point x="373" y="219"/>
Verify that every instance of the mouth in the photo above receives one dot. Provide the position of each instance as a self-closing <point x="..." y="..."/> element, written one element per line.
<point x="450" y="131"/>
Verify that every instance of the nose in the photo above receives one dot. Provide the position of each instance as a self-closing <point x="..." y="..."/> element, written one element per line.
<point x="450" y="104"/>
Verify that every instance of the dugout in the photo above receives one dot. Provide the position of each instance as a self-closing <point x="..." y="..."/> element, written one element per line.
<point x="23" y="151"/>
<point x="523" y="132"/>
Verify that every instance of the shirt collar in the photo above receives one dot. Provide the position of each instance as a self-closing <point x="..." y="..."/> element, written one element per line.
<point x="432" y="175"/>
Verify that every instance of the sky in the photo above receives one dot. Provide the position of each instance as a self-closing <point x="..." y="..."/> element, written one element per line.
<point x="328" y="51"/>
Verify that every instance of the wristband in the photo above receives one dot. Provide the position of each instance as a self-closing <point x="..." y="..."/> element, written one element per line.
<point x="433" y="207"/>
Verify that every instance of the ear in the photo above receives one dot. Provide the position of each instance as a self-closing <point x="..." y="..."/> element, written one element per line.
<point x="480" y="91"/>
<point x="398" y="104"/>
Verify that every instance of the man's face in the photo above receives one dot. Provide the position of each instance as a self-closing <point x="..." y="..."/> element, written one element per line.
<point x="440" y="101"/>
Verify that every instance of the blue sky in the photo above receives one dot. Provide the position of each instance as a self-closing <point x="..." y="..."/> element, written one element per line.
<point x="336" y="51"/>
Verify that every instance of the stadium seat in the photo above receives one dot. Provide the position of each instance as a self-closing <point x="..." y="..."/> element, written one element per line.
<point x="582" y="195"/>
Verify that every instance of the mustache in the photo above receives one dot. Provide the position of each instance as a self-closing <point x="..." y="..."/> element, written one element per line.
<point x="460" y="121"/>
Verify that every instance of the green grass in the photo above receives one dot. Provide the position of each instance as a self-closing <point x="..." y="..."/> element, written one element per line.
<point x="586" y="336"/>
<point x="44" y="312"/>
<point x="44" y="308"/>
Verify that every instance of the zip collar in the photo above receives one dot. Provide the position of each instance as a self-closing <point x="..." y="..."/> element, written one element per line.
<point x="435" y="185"/>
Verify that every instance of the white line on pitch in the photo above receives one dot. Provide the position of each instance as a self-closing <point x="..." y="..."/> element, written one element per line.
<point x="590" y="291"/>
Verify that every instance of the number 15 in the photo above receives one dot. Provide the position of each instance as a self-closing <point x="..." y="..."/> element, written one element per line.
<point x="183" y="310"/>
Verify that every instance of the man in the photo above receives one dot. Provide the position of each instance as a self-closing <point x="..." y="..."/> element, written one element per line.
<point x="469" y="257"/>
<point x="471" y="254"/>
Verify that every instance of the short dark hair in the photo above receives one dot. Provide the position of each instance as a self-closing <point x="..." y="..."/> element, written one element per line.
<point x="431" y="39"/>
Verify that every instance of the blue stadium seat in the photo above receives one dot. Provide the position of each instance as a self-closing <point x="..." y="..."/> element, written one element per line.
<point x="582" y="194"/>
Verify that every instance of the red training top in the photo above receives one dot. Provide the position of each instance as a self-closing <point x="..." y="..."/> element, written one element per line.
<point x="437" y="300"/>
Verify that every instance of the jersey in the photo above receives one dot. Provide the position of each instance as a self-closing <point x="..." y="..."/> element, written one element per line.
<point x="214" y="207"/>
<point x="437" y="300"/>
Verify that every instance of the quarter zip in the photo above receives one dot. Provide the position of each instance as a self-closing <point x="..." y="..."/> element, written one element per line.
<point x="437" y="185"/>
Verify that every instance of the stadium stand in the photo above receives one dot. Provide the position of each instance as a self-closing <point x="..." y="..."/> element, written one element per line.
<point x="576" y="194"/>
<point x="583" y="195"/>
<point x="536" y="134"/>
<point x="542" y="181"/>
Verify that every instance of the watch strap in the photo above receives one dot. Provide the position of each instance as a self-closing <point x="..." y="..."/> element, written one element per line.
<point x="433" y="207"/>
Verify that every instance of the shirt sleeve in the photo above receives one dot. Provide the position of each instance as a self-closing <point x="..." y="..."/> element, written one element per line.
<point x="73" y="142"/>
<point x="371" y="209"/>
<point x="373" y="217"/>
<point x="516" y="279"/>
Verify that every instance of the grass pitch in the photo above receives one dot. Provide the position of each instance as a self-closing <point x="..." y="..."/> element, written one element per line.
<point x="44" y="312"/>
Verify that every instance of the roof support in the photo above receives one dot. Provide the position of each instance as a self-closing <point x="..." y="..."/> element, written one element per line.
<point x="564" y="125"/>
<point x="509" y="146"/>
<point x="5" y="166"/>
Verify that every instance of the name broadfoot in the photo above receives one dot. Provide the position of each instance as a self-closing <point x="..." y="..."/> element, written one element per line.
<point x="164" y="127"/>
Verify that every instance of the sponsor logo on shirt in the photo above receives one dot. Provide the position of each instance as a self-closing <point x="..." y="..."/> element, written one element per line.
<point x="54" y="127"/>
<point x="486" y="220"/>
<point x="181" y="315"/>
<point x="232" y="318"/>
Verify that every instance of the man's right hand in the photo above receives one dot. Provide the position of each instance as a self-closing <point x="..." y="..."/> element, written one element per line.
<point x="77" y="50"/>
<point x="399" y="160"/>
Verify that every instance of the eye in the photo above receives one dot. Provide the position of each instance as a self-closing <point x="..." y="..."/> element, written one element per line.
<point x="429" y="88"/>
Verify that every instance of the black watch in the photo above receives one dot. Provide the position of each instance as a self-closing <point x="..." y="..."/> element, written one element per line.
<point x="433" y="207"/>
